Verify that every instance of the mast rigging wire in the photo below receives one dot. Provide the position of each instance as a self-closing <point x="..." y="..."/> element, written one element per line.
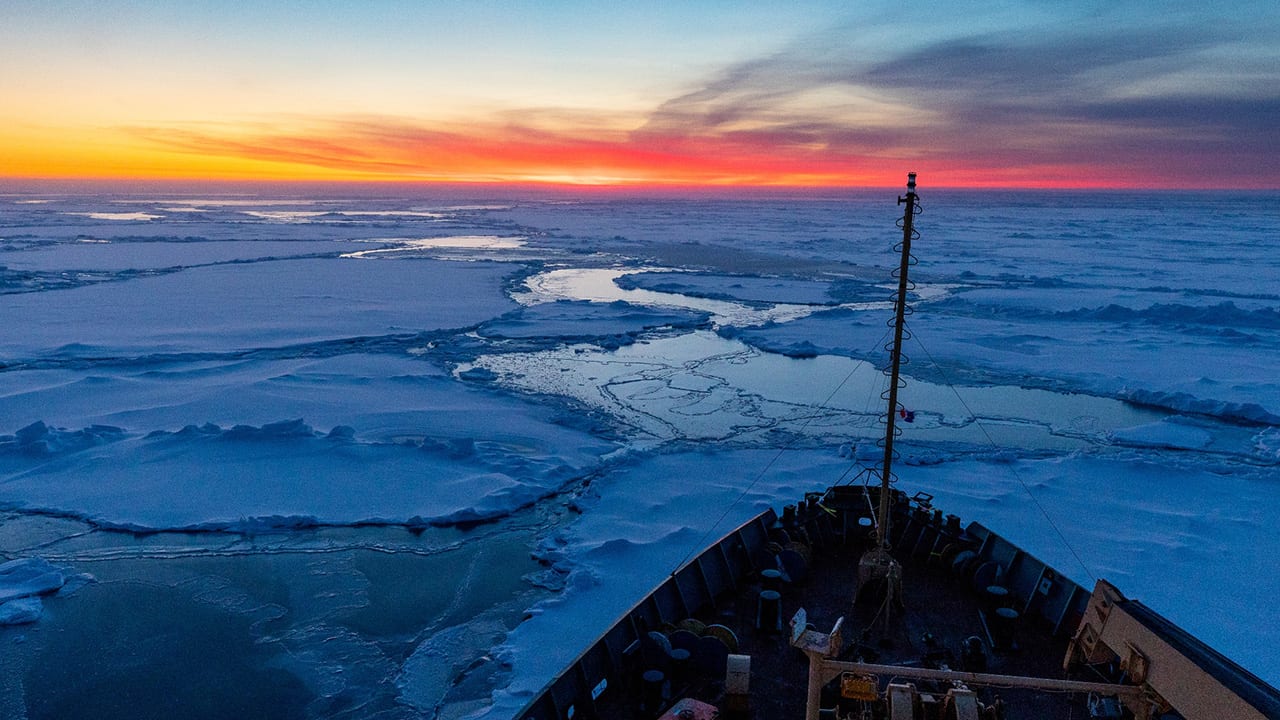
<point x="991" y="441"/>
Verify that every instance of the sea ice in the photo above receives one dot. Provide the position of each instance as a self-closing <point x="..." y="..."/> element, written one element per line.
<point x="237" y="307"/>
<point x="568" y="320"/>
<point x="286" y="474"/>
<point x="176" y="357"/>
<point x="1173" y="435"/>
<point x="27" y="577"/>
<point x="21" y="611"/>
<point x="22" y="582"/>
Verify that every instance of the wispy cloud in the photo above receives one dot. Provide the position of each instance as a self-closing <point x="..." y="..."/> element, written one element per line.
<point x="1101" y="102"/>
<point x="1144" y="104"/>
<point x="512" y="151"/>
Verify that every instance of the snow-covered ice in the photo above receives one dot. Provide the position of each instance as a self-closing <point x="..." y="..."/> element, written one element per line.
<point x="22" y="583"/>
<point x="266" y="374"/>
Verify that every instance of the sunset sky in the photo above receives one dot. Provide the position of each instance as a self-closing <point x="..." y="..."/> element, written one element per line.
<point x="1022" y="93"/>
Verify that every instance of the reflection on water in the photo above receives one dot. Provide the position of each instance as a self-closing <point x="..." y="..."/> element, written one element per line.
<point x="453" y="242"/>
<point x="597" y="285"/>
<point x="699" y="386"/>
<point x="118" y="215"/>
<point x="302" y="216"/>
<point x="221" y="202"/>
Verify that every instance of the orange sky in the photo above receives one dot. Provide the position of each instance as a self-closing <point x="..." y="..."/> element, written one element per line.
<point x="395" y="151"/>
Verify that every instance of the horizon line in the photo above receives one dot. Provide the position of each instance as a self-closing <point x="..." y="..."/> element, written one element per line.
<point x="144" y="184"/>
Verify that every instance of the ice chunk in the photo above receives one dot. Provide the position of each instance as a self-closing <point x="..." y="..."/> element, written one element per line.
<point x="26" y="577"/>
<point x="21" y="611"/>
<point x="40" y="439"/>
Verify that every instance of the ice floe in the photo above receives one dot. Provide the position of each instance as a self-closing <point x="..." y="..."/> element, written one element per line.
<point x="24" y="581"/>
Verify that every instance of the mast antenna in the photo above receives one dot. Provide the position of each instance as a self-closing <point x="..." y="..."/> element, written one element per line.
<point x="878" y="564"/>
<point x="895" y="362"/>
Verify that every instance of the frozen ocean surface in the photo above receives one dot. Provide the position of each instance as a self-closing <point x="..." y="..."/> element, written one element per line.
<point x="408" y="455"/>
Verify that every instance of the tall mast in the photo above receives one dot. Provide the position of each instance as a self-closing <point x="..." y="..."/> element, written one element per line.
<point x="882" y="515"/>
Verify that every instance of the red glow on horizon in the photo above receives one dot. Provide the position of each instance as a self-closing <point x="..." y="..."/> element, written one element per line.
<point x="383" y="152"/>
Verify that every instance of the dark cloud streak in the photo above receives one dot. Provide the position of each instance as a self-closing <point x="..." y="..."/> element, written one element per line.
<point x="1027" y="96"/>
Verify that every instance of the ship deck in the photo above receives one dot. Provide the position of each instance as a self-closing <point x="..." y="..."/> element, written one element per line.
<point x="929" y="629"/>
<point x="941" y="609"/>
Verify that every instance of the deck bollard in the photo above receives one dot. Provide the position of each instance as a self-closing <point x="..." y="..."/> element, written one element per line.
<point x="654" y="682"/>
<point x="769" y="611"/>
